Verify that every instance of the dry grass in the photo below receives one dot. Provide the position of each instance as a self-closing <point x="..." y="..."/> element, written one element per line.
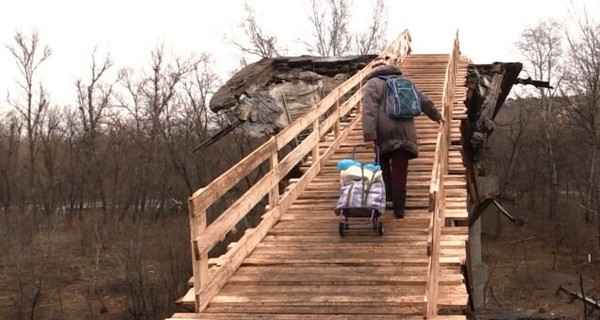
<point x="94" y="268"/>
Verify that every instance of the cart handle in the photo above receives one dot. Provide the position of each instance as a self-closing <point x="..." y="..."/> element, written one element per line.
<point x="364" y="145"/>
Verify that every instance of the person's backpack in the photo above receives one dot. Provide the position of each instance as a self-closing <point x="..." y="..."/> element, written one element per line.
<point x="402" y="100"/>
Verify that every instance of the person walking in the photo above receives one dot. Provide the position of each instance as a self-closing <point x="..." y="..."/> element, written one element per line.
<point x="396" y="139"/>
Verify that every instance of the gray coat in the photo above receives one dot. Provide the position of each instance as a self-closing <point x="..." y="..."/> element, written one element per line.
<point x="390" y="134"/>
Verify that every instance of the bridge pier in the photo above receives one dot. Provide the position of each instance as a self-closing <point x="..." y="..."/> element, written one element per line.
<point x="479" y="270"/>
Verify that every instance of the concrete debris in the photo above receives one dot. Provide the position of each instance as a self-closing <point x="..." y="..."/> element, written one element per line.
<point x="271" y="93"/>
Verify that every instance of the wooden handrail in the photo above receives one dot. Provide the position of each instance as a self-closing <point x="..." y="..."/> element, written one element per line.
<point x="204" y="237"/>
<point x="437" y="194"/>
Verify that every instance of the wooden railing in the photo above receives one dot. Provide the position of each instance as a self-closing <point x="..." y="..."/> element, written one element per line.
<point x="437" y="195"/>
<point x="205" y="237"/>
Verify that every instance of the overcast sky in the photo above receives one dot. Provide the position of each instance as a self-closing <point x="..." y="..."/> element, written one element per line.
<point x="129" y="29"/>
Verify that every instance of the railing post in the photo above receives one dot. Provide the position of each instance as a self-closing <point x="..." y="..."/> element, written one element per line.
<point x="274" y="193"/>
<point x="315" y="149"/>
<point x="336" y="127"/>
<point x="199" y="260"/>
<point x="361" y="88"/>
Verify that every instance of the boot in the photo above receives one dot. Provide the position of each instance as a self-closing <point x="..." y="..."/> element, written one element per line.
<point x="399" y="201"/>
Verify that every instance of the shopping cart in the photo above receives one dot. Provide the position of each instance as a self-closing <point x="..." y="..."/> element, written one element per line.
<point x="362" y="195"/>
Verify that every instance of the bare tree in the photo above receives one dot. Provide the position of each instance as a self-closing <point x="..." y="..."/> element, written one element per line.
<point x="511" y="126"/>
<point x="542" y="47"/>
<point x="192" y="125"/>
<point x="583" y="92"/>
<point x="71" y="172"/>
<point x="153" y="99"/>
<point x="10" y="135"/>
<point x="34" y="101"/>
<point x="373" y="39"/>
<point x="331" y="35"/>
<point x="93" y="101"/>
<point x="257" y="42"/>
<point x="131" y="101"/>
<point x="330" y="22"/>
<point x="119" y="135"/>
<point x="52" y="134"/>
<point x="93" y="97"/>
<point x="330" y="28"/>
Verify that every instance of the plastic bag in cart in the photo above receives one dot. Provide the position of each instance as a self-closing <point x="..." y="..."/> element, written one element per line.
<point x="361" y="194"/>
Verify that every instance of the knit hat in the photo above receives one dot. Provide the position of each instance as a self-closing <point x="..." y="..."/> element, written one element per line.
<point x="380" y="61"/>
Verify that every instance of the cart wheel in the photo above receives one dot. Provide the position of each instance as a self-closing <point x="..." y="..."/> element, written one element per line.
<point x="380" y="229"/>
<point x="341" y="229"/>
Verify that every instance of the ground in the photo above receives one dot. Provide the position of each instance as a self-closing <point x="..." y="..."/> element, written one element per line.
<point x="524" y="281"/>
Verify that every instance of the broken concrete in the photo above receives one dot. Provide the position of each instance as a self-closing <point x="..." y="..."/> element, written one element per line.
<point x="271" y="93"/>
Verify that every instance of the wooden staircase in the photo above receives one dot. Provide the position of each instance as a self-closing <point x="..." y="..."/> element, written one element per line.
<point x="295" y="265"/>
<point x="303" y="269"/>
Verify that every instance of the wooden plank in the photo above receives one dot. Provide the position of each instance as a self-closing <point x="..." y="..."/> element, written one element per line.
<point x="373" y="298"/>
<point x="454" y="300"/>
<point x="294" y="157"/>
<point x="338" y="275"/>
<point x="299" y="261"/>
<point x="333" y="237"/>
<point x="342" y="251"/>
<point x="276" y="293"/>
<point x="205" y="197"/>
<point x="217" y="230"/>
<point x="248" y="242"/>
<point x="457" y="214"/>
<point x="368" y="273"/>
<point x="354" y="311"/>
<point x="299" y="316"/>
<point x="188" y="298"/>
<point x="342" y="111"/>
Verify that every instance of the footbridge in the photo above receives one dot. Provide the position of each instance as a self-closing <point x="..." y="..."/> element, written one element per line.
<point x="294" y="264"/>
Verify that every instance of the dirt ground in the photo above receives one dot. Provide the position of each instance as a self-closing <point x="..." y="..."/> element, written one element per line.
<point x="523" y="283"/>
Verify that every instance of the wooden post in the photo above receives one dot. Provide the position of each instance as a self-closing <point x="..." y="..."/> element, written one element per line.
<point x="274" y="193"/>
<point x="315" y="150"/>
<point x="336" y="129"/>
<point x="361" y="88"/>
<point x="199" y="261"/>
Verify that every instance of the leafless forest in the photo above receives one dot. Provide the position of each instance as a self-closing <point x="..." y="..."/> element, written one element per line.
<point x="544" y="152"/>
<point x="93" y="195"/>
<point x="545" y="145"/>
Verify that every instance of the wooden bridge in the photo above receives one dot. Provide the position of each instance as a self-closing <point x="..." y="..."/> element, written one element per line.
<point x="294" y="264"/>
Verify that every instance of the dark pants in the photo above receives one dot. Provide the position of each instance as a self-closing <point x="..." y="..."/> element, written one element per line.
<point x="394" y="167"/>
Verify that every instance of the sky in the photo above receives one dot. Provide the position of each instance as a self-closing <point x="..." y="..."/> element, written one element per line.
<point x="128" y="30"/>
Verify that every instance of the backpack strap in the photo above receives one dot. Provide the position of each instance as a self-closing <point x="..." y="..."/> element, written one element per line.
<point x="385" y="78"/>
<point x="389" y="76"/>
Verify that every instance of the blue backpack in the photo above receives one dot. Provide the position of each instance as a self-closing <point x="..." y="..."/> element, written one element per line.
<point x="402" y="100"/>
